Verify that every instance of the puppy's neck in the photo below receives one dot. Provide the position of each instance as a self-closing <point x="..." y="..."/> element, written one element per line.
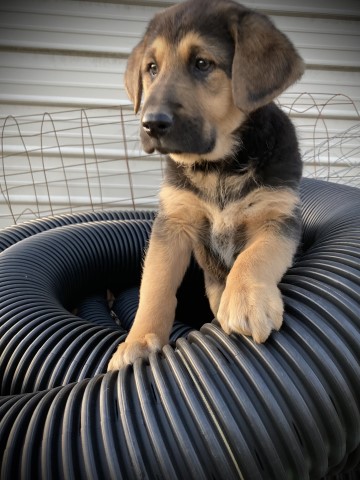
<point x="226" y="147"/>
<point x="215" y="182"/>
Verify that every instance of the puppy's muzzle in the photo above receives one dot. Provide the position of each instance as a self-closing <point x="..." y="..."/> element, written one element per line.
<point x="157" y="125"/>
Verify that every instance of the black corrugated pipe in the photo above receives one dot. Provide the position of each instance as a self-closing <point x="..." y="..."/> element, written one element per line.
<point x="212" y="406"/>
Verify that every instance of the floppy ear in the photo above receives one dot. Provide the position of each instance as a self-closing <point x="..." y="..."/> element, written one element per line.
<point x="265" y="62"/>
<point x="133" y="79"/>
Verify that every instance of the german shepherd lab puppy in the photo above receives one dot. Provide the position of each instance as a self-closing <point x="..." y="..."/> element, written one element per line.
<point x="207" y="71"/>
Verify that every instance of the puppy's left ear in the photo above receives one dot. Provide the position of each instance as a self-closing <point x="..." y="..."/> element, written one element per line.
<point x="265" y="61"/>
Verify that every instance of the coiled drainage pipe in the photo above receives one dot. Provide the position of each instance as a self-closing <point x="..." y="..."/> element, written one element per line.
<point x="211" y="407"/>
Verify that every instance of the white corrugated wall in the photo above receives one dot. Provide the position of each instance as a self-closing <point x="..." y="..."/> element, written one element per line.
<point x="61" y="86"/>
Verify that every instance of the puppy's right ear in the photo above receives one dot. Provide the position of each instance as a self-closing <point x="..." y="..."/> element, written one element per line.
<point x="133" y="78"/>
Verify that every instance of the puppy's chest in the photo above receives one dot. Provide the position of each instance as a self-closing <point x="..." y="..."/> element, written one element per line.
<point x="221" y="199"/>
<point x="221" y="240"/>
<point x="220" y="189"/>
<point x="225" y="239"/>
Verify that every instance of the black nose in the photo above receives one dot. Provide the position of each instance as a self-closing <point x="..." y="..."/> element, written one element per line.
<point x="157" y="124"/>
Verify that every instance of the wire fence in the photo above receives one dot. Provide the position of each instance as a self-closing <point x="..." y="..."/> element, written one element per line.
<point x="91" y="159"/>
<point x="329" y="136"/>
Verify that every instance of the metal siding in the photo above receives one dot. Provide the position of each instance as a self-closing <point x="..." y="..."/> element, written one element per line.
<point x="65" y="55"/>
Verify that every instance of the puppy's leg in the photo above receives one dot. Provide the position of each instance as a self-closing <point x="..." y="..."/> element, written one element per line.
<point x="165" y="264"/>
<point x="251" y="303"/>
<point x="214" y="291"/>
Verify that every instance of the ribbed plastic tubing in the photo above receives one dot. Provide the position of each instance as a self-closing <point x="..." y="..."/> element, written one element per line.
<point x="210" y="405"/>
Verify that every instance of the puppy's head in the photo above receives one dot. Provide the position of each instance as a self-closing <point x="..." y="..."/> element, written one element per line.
<point x="201" y="68"/>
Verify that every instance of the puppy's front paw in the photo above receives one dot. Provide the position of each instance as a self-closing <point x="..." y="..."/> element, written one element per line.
<point x="251" y="309"/>
<point x="128" y="352"/>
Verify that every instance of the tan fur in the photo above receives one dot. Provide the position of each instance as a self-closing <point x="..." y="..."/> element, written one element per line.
<point x="192" y="39"/>
<point x="163" y="272"/>
<point x="255" y="210"/>
<point x="251" y="303"/>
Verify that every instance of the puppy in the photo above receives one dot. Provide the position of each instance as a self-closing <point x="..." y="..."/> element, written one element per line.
<point x="207" y="72"/>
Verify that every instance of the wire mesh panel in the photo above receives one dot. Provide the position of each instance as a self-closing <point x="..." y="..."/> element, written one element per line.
<point x="329" y="136"/>
<point x="74" y="160"/>
<point x="90" y="159"/>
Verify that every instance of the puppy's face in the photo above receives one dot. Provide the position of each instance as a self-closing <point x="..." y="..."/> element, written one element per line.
<point x="201" y="67"/>
<point x="188" y="97"/>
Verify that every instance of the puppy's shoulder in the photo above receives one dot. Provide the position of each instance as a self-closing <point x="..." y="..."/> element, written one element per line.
<point x="270" y="146"/>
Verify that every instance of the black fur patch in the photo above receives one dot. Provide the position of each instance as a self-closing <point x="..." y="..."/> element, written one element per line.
<point x="268" y="148"/>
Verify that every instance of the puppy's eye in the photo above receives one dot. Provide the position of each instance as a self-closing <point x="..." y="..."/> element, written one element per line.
<point x="203" y="65"/>
<point x="153" y="69"/>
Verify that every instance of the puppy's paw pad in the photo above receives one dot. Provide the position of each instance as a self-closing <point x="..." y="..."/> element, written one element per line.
<point x="128" y="352"/>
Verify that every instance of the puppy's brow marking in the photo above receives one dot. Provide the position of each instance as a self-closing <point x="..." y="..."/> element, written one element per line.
<point x="158" y="50"/>
<point x="187" y="43"/>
